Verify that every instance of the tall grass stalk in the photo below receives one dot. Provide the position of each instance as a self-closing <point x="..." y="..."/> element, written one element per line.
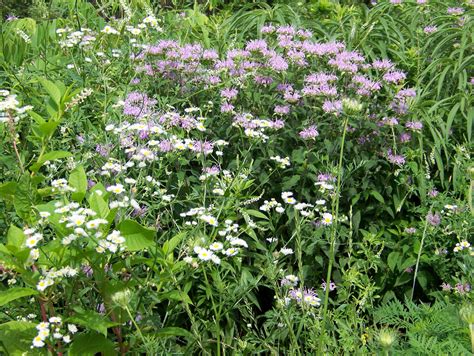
<point x="335" y="211"/>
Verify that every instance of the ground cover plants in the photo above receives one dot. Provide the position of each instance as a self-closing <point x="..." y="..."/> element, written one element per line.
<point x="255" y="179"/>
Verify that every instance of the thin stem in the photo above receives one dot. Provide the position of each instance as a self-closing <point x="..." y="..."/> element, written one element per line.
<point x="419" y="256"/>
<point x="334" y="229"/>
<point x="216" y="315"/>
<point x="136" y="326"/>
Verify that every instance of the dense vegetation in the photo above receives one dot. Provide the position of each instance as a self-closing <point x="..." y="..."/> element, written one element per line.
<point x="236" y="177"/>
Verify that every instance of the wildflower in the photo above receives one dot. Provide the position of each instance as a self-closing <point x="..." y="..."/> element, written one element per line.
<point x="109" y="30"/>
<point x="116" y="189"/>
<point x="430" y="29"/>
<point x="290" y="280"/>
<point x="286" y="251"/>
<point x="38" y="341"/>
<point x="216" y="246"/>
<point x="327" y="219"/>
<point x="209" y="219"/>
<point x="231" y="251"/>
<point x="332" y="286"/>
<point x="204" y="254"/>
<point x="309" y="133"/>
<point x="433" y="219"/>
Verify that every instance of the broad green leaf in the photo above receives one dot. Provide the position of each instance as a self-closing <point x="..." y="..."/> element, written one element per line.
<point x="91" y="343"/>
<point x="15" y="237"/>
<point x="16" y="337"/>
<point x="15" y="293"/>
<point x="256" y="213"/>
<point x="377" y="196"/>
<point x="171" y="244"/>
<point x="136" y="236"/>
<point x="78" y="180"/>
<point x="99" y="205"/>
<point x="92" y="320"/>
<point x="50" y="156"/>
<point x="52" y="90"/>
<point x="176" y="295"/>
<point x="7" y="190"/>
<point x="392" y="260"/>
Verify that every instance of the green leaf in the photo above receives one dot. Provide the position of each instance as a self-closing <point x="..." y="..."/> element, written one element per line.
<point x="22" y="200"/>
<point x="136" y="236"/>
<point x="176" y="295"/>
<point x="52" y="90"/>
<point x="15" y="293"/>
<point x="92" y="320"/>
<point x="50" y="156"/>
<point x="173" y="331"/>
<point x="256" y="213"/>
<point x="171" y="244"/>
<point x="78" y="180"/>
<point x="377" y="196"/>
<point x="98" y="204"/>
<point x="91" y="343"/>
<point x="7" y="190"/>
<point x="392" y="260"/>
<point x="16" y="337"/>
<point x="15" y="237"/>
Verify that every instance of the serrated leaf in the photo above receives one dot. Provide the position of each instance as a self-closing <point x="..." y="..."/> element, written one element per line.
<point x="137" y="237"/>
<point x="15" y="293"/>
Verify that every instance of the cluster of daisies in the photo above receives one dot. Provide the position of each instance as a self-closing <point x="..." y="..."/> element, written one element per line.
<point x="230" y="246"/>
<point x="53" y="331"/>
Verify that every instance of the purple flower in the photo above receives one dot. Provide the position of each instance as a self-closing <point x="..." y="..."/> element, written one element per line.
<point x="433" y="219"/>
<point x="395" y="159"/>
<point x="278" y="64"/>
<point x="430" y="29"/>
<point x="227" y="107"/>
<point x="229" y="93"/>
<point x="309" y="133"/>
<point x="88" y="271"/>
<point x="414" y="125"/>
<point x="410" y="230"/>
<point x="282" y="109"/>
<point x="332" y="286"/>
<point x="446" y="287"/>
<point x="394" y="77"/>
<point x="433" y="193"/>
<point x="405" y="137"/>
<point x="455" y="11"/>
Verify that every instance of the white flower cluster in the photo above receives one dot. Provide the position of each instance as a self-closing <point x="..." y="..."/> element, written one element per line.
<point x="462" y="245"/>
<point x="282" y="162"/>
<point x="254" y="128"/>
<point x="49" y="277"/>
<point x="51" y="329"/>
<point x="268" y="205"/>
<point x="230" y="247"/>
<point x="111" y="168"/>
<point x="113" y="242"/>
<point x="70" y="38"/>
<point x="9" y="107"/>
<point x="61" y="186"/>
<point x="301" y="207"/>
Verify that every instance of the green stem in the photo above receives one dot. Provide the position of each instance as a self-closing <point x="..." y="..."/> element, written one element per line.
<point x="136" y="326"/>
<point x="333" y="230"/>
<point x="216" y="314"/>
<point x="419" y="256"/>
